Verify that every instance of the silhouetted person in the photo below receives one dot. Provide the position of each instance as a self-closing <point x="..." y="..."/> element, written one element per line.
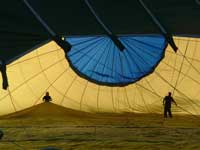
<point x="47" y="98"/>
<point x="3" y="74"/>
<point x="1" y="134"/>
<point x="167" y="101"/>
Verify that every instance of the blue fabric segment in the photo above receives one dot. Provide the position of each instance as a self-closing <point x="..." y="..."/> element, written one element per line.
<point x="98" y="59"/>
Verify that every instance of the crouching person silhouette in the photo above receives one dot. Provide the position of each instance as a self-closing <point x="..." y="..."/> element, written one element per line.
<point x="167" y="101"/>
<point x="47" y="98"/>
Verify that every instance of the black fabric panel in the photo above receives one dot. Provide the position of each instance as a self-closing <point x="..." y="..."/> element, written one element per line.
<point x="19" y="30"/>
<point x="121" y="16"/>
<point x="68" y="17"/>
<point x="178" y="16"/>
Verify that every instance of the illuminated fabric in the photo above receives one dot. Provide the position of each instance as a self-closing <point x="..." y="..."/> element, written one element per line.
<point x="98" y="59"/>
<point x="46" y="69"/>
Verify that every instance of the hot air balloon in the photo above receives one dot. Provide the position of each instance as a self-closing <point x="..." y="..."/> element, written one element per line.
<point x="101" y="56"/>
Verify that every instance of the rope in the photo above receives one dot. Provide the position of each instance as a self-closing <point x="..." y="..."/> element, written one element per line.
<point x="74" y="79"/>
<point x="176" y="89"/>
<point x="11" y="99"/>
<point x="181" y="67"/>
<point x="83" y="95"/>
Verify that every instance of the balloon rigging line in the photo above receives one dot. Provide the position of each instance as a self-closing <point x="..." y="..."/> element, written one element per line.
<point x="139" y="69"/>
<point x="176" y="89"/>
<point x="39" y="18"/>
<point x="188" y="112"/>
<point x="189" y="68"/>
<point x="97" y="17"/>
<point x="82" y="95"/>
<point x="188" y="99"/>
<point x="153" y="17"/>
<point x="191" y="64"/>
<point x="181" y="67"/>
<point x="51" y="83"/>
<point x="113" y="37"/>
<point x="173" y="73"/>
<point x="184" y="74"/>
<point x="11" y="99"/>
<point x="39" y="60"/>
<point x="189" y="58"/>
<point x="58" y="49"/>
<point x="166" y="34"/>
<point x="179" y="70"/>
<point x="148" y="64"/>
<point x="150" y="85"/>
<point x="33" y="77"/>
<point x="162" y="97"/>
<point x="65" y="45"/>
<point x="168" y="82"/>
<point x="154" y="93"/>
<point x="68" y="88"/>
<point x="153" y="90"/>
<point x="23" y="76"/>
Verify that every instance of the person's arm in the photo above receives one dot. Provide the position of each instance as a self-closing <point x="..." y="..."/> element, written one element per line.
<point x="174" y="102"/>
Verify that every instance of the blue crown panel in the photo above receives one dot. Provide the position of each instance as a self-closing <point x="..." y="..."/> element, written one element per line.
<point x="97" y="58"/>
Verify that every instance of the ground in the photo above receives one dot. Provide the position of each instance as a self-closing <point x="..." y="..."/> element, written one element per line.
<point x="71" y="130"/>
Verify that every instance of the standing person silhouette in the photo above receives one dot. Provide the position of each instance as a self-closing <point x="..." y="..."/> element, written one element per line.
<point x="3" y="74"/>
<point x="167" y="104"/>
<point x="47" y="98"/>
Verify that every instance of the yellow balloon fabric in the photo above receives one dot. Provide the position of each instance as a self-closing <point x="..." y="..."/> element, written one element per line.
<point x="46" y="69"/>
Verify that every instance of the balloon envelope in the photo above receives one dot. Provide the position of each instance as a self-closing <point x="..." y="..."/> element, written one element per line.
<point x="46" y="69"/>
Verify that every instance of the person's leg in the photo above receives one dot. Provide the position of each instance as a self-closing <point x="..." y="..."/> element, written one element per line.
<point x="170" y="113"/>
<point x="165" y="112"/>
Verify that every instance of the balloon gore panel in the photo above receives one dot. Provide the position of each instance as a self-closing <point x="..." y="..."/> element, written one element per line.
<point x="98" y="59"/>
